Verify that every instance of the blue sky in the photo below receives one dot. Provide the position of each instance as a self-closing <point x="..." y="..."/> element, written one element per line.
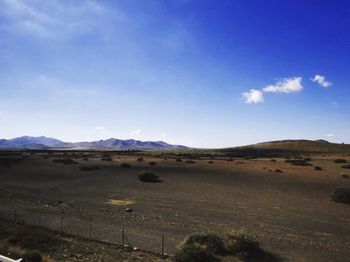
<point x="200" y="73"/>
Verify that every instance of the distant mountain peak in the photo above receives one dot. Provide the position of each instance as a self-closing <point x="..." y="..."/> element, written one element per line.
<point x="42" y="142"/>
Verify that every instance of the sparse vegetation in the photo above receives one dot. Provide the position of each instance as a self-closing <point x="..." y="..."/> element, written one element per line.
<point x="298" y="162"/>
<point x="139" y="159"/>
<point x="148" y="177"/>
<point x="211" y="242"/>
<point x="210" y="247"/>
<point x="89" y="168"/>
<point x="152" y="163"/>
<point x="345" y="176"/>
<point x="210" y="162"/>
<point x="342" y="195"/>
<point x="243" y="246"/>
<point x="178" y="160"/>
<point x="340" y="161"/>
<point x="32" y="256"/>
<point x="278" y="170"/>
<point x="9" y="161"/>
<point x="200" y="247"/>
<point x="65" y="161"/>
<point x="125" y="165"/>
<point x="346" y="166"/>
<point x="194" y="253"/>
<point x="190" y="161"/>
<point x="318" y="168"/>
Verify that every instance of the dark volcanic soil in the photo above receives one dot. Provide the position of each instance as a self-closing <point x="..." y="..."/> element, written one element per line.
<point x="291" y="212"/>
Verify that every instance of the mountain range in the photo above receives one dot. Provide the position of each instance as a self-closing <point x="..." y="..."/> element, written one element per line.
<point x="42" y="142"/>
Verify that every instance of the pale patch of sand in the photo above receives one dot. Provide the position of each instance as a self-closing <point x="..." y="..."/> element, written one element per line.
<point x="121" y="202"/>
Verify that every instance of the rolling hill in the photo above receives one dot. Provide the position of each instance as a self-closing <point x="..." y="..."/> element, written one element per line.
<point x="289" y="146"/>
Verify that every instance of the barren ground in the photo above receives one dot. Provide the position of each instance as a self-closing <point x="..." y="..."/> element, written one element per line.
<point x="290" y="212"/>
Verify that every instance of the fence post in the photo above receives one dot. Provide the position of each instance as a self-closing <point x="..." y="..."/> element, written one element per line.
<point x="90" y="229"/>
<point x="123" y="236"/>
<point x="162" y="245"/>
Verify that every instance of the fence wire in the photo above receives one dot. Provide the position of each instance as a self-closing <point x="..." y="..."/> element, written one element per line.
<point x="87" y="227"/>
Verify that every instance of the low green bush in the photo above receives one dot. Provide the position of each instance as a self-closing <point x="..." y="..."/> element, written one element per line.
<point x="243" y="246"/>
<point x="210" y="247"/>
<point x="209" y="242"/>
<point x="194" y="253"/>
<point x="32" y="256"/>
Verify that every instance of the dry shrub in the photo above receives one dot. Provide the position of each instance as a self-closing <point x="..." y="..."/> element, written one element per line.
<point x="148" y="177"/>
<point x="340" y="161"/>
<point x="342" y="195"/>
<point x="125" y="165"/>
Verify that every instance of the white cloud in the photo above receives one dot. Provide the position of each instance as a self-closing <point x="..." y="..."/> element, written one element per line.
<point x="136" y="133"/>
<point x="321" y="80"/>
<point x="334" y="104"/>
<point x="163" y="135"/>
<point x="329" y="135"/>
<point x="253" y="96"/>
<point x="52" y="18"/>
<point x="101" y="129"/>
<point x="287" y="85"/>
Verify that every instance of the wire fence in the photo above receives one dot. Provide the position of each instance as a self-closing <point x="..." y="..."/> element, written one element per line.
<point x="93" y="228"/>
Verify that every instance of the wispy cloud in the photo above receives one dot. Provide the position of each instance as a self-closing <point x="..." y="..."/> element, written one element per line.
<point x="136" y="134"/>
<point x="253" y="96"/>
<point x="52" y="18"/>
<point x="329" y="135"/>
<point x="321" y="80"/>
<point x="287" y="85"/>
<point x="101" y="129"/>
<point x="334" y="104"/>
<point x="58" y="87"/>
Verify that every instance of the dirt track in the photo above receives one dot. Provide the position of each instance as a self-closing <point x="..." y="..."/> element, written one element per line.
<point x="291" y="212"/>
